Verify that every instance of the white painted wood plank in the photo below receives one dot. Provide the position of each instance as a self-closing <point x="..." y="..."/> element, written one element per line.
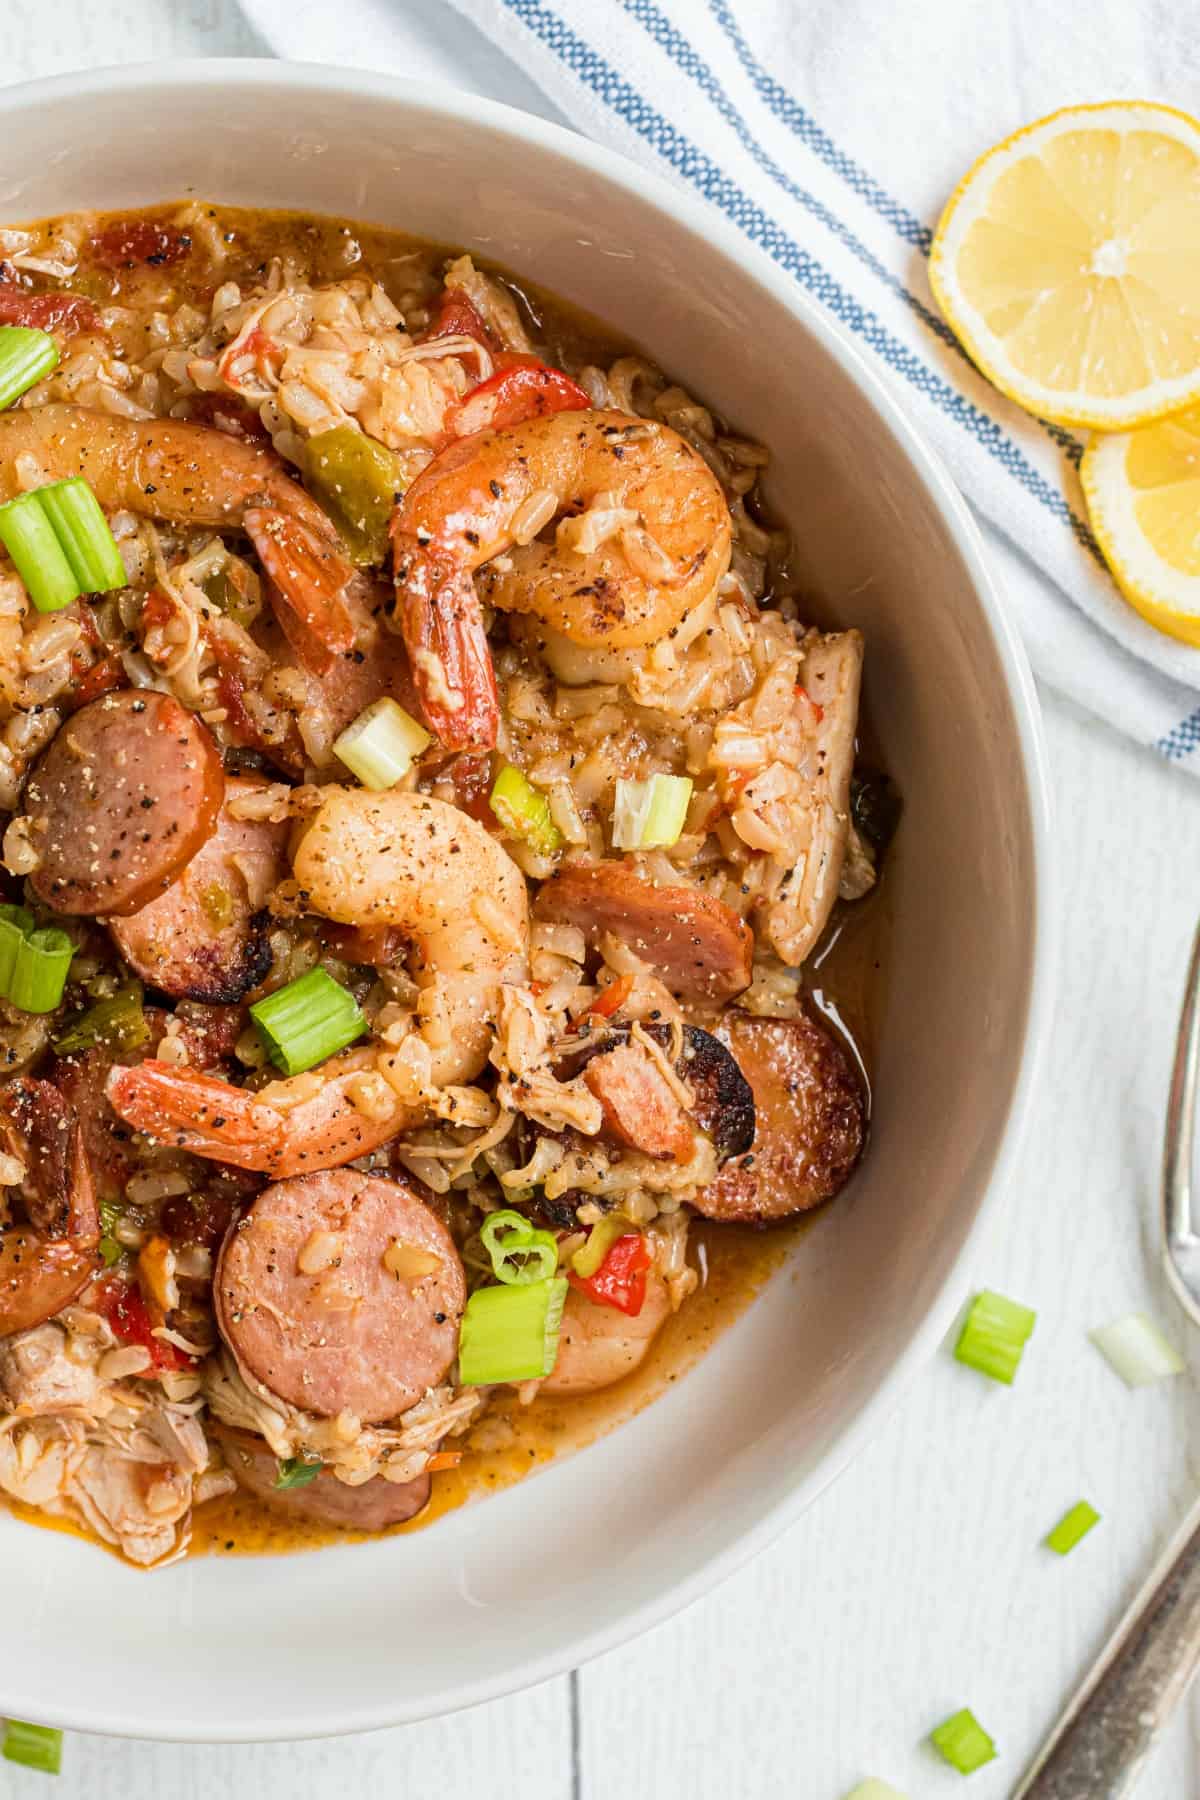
<point x="473" y="1755"/>
<point x="917" y="1585"/>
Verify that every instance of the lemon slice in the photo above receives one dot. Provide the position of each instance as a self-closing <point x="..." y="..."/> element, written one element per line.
<point x="1068" y="263"/>
<point x="1143" y="495"/>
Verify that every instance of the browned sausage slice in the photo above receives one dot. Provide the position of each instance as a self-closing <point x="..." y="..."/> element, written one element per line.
<point x="47" y="1258"/>
<point x="639" y="1107"/>
<point x="308" y="1305"/>
<point x="373" y="1506"/>
<point x="128" y="791"/>
<point x="696" y="943"/>
<point x="207" y="937"/>
<point x="811" y="1120"/>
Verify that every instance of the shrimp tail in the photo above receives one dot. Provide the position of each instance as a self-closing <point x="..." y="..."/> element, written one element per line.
<point x="309" y="579"/>
<point x="441" y="622"/>
<point x="195" y="1112"/>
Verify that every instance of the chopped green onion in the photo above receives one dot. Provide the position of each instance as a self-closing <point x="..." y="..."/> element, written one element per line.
<point x="524" y="811"/>
<point x="1072" y="1527"/>
<point x="306" y="1021"/>
<point x="111" y="1249"/>
<point x="519" y="1252"/>
<point x="875" y="1790"/>
<point x="82" y="530"/>
<point x="650" y="815"/>
<point x="358" y="482"/>
<point x="33" y="1746"/>
<point x="381" y="744"/>
<point x="40" y="970"/>
<point x="511" y="1333"/>
<point x="297" y="1472"/>
<point x="963" y="1742"/>
<point x="26" y="354"/>
<point x="994" y="1336"/>
<point x="601" y="1238"/>
<point x="16" y="922"/>
<point x="118" y="1023"/>
<point x="39" y="558"/>
<point x="1137" y="1350"/>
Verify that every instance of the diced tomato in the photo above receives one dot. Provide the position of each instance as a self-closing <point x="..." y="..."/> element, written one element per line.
<point x="104" y="677"/>
<point x="459" y="317"/>
<point x="122" y="1305"/>
<point x="68" y="314"/>
<point x="134" y="241"/>
<point x="612" y="998"/>
<point x="230" y="415"/>
<point x="257" y="348"/>
<point x="620" y="1280"/>
<point x="524" y="388"/>
<point x="157" y="608"/>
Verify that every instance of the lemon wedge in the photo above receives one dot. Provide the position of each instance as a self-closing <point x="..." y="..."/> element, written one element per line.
<point x="1143" y="495"/>
<point x="1067" y="262"/>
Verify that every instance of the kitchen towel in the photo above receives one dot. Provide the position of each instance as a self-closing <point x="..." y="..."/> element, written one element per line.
<point x="830" y="133"/>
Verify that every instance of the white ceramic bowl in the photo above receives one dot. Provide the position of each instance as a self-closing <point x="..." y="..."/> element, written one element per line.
<point x="517" y="1588"/>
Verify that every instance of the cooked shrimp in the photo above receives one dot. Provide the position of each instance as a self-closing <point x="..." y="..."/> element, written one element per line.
<point x="423" y="866"/>
<point x="598" y="1345"/>
<point x="186" y="474"/>
<point x="290" y="1128"/>
<point x="192" y="476"/>
<point x="46" y="1260"/>
<point x="643" y="539"/>
<point x="831" y="673"/>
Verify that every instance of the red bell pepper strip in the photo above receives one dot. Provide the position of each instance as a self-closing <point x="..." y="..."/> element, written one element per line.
<point x="459" y="317"/>
<point x="620" y="1280"/>
<point x="122" y="1305"/>
<point x="612" y="998"/>
<point x="523" y="388"/>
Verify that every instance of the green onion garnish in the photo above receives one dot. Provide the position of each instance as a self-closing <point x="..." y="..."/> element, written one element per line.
<point x="511" y="1333"/>
<point x="519" y="1252"/>
<point x="306" y="1021"/>
<point x="994" y="1337"/>
<point x="82" y="530"/>
<point x="871" y="1789"/>
<point x="111" y="1249"/>
<point x="37" y="555"/>
<point x="1073" y="1526"/>
<point x="650" y="815"/>
<point x="524" y="811"/>
<point x="118" y="1023"/>
<point x="33" y="1746"/>
<point x="40" y="970"/>
<point x="297" y="1472"/>
<point x="1137" y="1350"/>
<point x="25" y="356"/>
<point x="16" y="922"/>
<point x="381" y="744"/>
<point x="963" y="1742"/>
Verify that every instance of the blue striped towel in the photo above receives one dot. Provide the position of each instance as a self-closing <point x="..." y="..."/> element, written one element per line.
<point x="830" y="133"/>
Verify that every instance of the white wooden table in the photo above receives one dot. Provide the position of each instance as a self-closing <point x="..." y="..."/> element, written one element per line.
<point x="917" y="1584"/>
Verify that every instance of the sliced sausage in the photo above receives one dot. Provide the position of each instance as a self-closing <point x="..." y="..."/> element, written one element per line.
<point x="693" y="941"/>
<point x="124" y="797"/>
<point x="599" y="1344"/>
<point x="640" y="1108"/>
<point x="722" y="1103"/>
<point x="373" y="1506"/>
<point x="811" y="1120"/>
<point x="39" y="1127"/>
<point x="308" y="1305"/>
<point x="207" y="937"/>
<point x="46" y="1259"/>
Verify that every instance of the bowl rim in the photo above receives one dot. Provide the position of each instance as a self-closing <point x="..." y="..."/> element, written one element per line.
<point x="618" y="170"/>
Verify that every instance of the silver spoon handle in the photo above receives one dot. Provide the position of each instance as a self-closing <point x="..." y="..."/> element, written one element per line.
<point x="1097" y="1750"/>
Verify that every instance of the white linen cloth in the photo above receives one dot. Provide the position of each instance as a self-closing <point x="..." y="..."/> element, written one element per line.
<point x="831" y="132"/>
